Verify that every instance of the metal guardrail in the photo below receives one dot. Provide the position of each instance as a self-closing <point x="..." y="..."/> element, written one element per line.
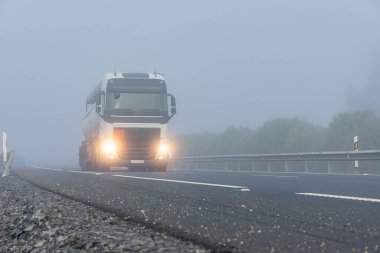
<point x="283" y="162"/>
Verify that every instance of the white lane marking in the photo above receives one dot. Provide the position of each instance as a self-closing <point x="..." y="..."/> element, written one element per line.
<point x="186" y="182"/>
<point x="271" y="176"/>
<point x="338" y="197"/>
<point x="87" y="172"/>
<point x="42" y="168"/>
<point x="74" y="171"/>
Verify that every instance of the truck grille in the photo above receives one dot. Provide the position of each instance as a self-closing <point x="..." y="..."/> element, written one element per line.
<point x="138" y="143"/>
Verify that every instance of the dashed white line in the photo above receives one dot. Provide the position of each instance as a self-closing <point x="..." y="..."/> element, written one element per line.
<point x="338" y="197"/>
<point x="73" y="171"/>
<point x="42" y="168"/>
<point x="241" y="188"/>
<point x="87" y="172"/>
<point x="272" y="176"/>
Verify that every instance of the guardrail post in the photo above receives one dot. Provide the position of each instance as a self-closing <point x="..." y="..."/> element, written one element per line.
<point x="269" y="169"/>
<point x="226" y="165"/>
<point x="286" y="166"/>
<point x="329" y="166"/>
<point x="239" y="165"/>
<point x="253" y="166"/>
<point x="306" y="166"/>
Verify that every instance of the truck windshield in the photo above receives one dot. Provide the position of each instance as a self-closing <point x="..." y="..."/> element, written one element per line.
<point x="137" y="104"/>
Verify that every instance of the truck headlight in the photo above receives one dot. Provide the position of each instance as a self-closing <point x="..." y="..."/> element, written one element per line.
<point x="109" y="147"/>
<point x="163" y="151"/>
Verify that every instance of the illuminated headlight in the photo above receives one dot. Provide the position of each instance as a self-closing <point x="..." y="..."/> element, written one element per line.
<point x="109" y="147"/>
<point x="163" y="151"/>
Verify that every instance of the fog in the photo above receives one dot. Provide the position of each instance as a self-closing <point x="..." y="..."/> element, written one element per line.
<point x="228" y="63"/>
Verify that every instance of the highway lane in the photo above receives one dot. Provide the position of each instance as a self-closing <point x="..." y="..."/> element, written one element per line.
<point x="235" y="211"/>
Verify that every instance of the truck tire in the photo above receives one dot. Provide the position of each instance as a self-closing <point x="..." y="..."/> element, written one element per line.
<point x="84" y="165"/>
<point x="82" y="157"/>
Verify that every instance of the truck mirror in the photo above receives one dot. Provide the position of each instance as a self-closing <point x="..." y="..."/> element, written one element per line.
<point x="173" y="106"/>
<point x="100" y="102"/>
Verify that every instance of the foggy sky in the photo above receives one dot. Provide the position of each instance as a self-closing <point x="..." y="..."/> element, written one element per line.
<point x="228" y="63"/>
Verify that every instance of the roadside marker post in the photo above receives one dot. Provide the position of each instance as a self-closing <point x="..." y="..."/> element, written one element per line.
<point x="356" y="148"/>
<point x="5" y="151"/>
<point x="7" y="157"/>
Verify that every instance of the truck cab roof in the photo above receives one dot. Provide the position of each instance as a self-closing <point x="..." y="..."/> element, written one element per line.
<point x="135" y="76"/>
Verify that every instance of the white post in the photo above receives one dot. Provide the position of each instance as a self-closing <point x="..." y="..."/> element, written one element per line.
<point x="5" y="151"/>
<point x="7" y="161"/>
<point x="356" y="148"/>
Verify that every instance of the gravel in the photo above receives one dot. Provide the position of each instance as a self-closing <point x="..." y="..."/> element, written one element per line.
<point x="35" y="220"/>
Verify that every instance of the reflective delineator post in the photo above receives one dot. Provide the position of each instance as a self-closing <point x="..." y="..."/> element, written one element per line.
<point x="5" y="151"/>
<point x="356" y="148"/>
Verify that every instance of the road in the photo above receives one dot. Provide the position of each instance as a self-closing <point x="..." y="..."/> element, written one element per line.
<point x="235" y="211"/>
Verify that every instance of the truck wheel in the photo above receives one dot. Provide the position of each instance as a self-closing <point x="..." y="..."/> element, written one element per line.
<point x="85" y="166"/>
<point x="92" y="165"/>
<point x="82" y="158"/>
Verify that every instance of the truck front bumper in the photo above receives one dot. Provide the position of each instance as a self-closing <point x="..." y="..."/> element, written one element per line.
<point x="135" y="163"/>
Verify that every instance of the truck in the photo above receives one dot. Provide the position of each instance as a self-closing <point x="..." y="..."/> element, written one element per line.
<point x="126" y="123"/>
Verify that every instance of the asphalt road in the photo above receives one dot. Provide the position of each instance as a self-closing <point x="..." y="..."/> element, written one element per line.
<point x="235" y="211"/>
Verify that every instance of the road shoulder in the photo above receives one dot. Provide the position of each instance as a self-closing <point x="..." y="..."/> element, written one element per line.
<point x="35" y="220"/>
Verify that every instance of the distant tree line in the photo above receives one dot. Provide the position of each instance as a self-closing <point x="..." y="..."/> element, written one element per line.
<point x="285" y="135"/>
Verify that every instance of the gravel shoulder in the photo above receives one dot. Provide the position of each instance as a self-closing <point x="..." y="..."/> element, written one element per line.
<point x="35" y="220"/>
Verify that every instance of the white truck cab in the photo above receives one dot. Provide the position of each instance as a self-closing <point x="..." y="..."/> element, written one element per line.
<point x="126" y="123"/>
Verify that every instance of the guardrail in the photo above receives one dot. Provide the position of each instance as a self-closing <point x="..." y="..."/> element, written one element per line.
<point x="318" y="162"/>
